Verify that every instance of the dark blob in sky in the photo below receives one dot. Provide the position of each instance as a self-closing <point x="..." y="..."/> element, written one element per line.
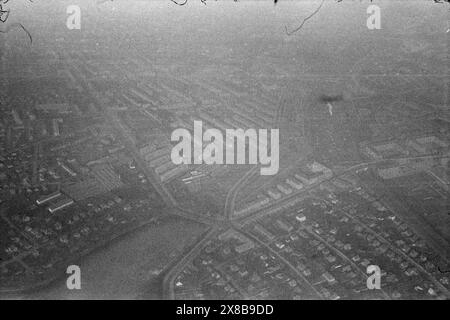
<point x="326" y="98"/>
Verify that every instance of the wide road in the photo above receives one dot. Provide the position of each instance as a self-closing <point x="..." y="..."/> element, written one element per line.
<point x="234" y="191"/>
<point x="170" y="276"/>
<point x="291" y="198"/>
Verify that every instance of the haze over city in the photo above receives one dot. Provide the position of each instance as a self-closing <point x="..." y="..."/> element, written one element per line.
<point x="89" y="103"/>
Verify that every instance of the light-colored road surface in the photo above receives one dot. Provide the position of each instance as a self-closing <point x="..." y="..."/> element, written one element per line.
<point x="169" y="278"/>
<point x="234" y="191"/>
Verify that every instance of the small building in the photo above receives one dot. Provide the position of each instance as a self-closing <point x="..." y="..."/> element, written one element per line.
<point x="46" y="198"/>
<point x="284" y="189"/>
<point x="59" y="205"/>
<point x="274" y="195"/>
<point x="294" y="183"/>
<point x="300" y="217"/>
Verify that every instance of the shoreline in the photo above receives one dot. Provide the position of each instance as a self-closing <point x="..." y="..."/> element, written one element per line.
<point x="28" y="291"/>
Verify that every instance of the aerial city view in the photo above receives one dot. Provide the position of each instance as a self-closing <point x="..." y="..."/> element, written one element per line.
<point x="222" y="149"/>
